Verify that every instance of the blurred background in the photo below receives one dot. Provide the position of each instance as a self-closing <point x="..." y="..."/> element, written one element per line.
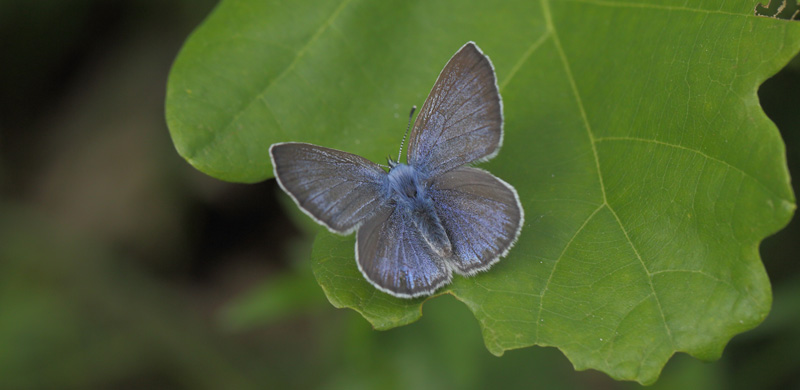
<point x="123" y="267"/>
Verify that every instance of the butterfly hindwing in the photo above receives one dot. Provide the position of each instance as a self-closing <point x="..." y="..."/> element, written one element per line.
<point x="482" y="215"/>
<point x="391" y="254"/>
<point x="338" y="189"/>
<point x="462" y="119"/>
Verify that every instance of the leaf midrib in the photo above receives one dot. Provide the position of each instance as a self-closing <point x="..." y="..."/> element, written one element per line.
<point x="562" y="55"/>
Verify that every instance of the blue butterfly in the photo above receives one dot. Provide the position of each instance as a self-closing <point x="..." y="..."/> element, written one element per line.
<point x="430" y="217"/>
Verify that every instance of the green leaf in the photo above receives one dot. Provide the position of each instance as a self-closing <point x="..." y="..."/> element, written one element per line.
<point x="648" y="172"/>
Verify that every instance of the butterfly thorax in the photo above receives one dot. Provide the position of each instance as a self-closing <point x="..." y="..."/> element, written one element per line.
<point x="409" y="195"/>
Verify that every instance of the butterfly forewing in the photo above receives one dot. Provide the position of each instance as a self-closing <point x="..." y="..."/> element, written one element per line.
<point x="482" y="215"/>
<point x="462" y="120"/>
<point x="336" y="188"/>
<point x="395" y="259"/>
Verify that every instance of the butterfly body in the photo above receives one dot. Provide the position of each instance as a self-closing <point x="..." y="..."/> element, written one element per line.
<point x="406" y="185"/>
<point x="428" y="218"/>
<point x="409" y="195"/>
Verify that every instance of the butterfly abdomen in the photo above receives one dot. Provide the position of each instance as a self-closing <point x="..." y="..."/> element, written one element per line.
<point x="409" y="195"/>
<point x="430" y="228"/>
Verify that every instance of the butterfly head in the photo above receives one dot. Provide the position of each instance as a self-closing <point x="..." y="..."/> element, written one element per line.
<point x="392" y="163"/>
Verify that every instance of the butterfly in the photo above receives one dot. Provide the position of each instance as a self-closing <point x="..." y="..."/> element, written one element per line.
<point x="433" y="216"/>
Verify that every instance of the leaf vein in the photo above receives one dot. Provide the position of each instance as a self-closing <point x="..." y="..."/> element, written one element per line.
<point x="593" y="142"/>
<point x="624" y="4"/>
<point x="525" y="56"/>
<point x="300" y="53"/>
<point x="553" y="270"/>
<point x="646" y="270"/>
<point x="698" y="152"/>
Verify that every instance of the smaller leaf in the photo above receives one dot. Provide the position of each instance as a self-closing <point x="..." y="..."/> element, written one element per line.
<point x="335" y="269"/>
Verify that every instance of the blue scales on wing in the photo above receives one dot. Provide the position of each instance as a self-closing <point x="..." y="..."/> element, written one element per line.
<point x="338" y="189"/>
<point x="462" y="119"/>
<point x="482" y="215"/>
<point x="394" y="257"/>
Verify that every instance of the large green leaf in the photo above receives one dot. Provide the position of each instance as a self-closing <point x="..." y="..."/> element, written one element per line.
<point x="648" y="172"/>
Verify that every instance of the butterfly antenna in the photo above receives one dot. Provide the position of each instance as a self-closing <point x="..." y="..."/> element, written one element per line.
<point x="410" y="115"/>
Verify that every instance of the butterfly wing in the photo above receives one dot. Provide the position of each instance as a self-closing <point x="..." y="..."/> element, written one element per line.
<point x="393" y="256"/>
<point x="336" y="188"/>
<point x="462" y="119"/>
<point x="481" y="214"/>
